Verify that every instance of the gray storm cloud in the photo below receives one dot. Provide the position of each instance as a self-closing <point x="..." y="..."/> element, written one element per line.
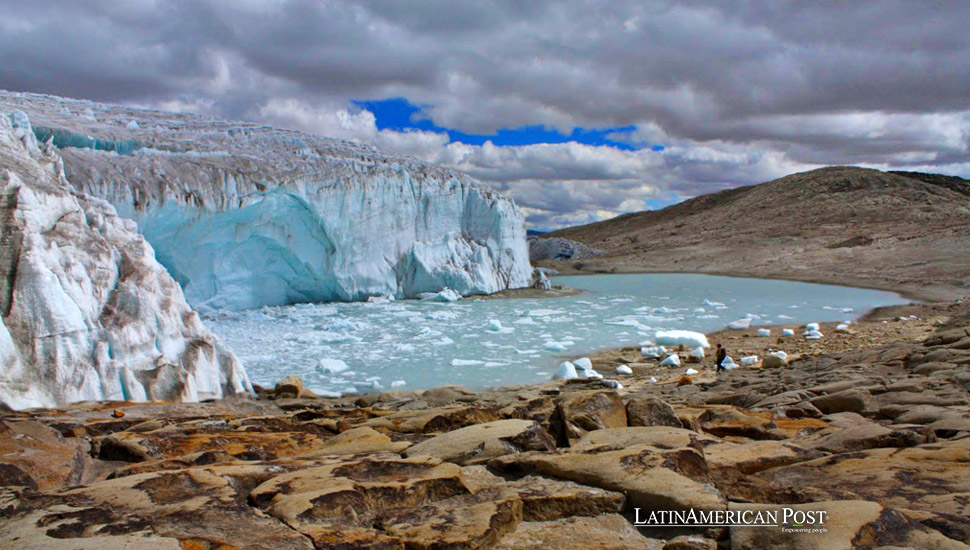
<point x="736" y="92"/>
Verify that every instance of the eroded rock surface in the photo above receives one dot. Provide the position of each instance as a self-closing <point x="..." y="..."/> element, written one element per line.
<point x="886" y="453"/>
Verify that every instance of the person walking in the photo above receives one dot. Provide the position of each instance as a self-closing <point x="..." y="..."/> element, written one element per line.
<point x="719" y="356"/>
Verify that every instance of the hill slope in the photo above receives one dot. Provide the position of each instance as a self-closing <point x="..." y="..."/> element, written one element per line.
<point x="843" y="225"/>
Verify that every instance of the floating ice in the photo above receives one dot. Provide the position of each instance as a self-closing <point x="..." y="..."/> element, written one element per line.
<point x="466" y="362"/>
<point x="681" y="338"/>
<point x="544" y="312"/>
<point x="445" y="295"/>
<point x="332" y="366"/>
<point x="740" y="324"/>
<point x="398" y="383"/>
<point x="710" y="303"/>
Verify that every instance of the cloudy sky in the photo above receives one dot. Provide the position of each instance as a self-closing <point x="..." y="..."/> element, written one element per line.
<point x="580" y="109"/>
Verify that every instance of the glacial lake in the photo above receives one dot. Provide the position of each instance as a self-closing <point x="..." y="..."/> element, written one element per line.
<point x="487" y="343"/>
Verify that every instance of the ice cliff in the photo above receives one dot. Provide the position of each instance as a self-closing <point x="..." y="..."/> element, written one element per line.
<point x="86" y="312"/>
<point x="244" y="215"/>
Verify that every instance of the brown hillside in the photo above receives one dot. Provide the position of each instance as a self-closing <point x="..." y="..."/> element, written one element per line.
<point x="853" y="226"/>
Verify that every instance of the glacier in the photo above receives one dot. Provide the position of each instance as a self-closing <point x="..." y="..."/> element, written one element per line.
<point x="245" y="215"/>
<point x="86" y="312"/>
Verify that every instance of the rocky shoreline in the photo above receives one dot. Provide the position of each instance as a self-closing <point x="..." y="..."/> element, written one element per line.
<point x="871" y="425"/>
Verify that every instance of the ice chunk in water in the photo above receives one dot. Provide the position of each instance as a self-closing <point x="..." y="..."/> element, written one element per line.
<point x="331" y="366"/>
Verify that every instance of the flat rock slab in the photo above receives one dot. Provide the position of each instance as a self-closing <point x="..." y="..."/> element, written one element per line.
<point x="933" y="479"/>
<point x="848" y="525"/>
<point x="482" y="442"/>
<point x="161" y="444"/>
<point x="606" y="532"/>
<point x="675" y="478"/>
<point x="37" y="456"/>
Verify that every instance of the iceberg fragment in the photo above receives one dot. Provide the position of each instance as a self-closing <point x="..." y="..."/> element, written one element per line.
<point x="672" y="360"/>
<point x="686" y="338"/>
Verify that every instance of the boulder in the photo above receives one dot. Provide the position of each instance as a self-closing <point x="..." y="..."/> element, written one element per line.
<point x="773" y="362"/>
<point x="584" y="411"/>
<point x="482" y="442"/>
<point x="290" y="386"/>
<point x="651" y="411"/>
<point x="843" y="401"/>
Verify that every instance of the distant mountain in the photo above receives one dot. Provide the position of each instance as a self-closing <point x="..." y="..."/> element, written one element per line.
<point x="843" y="225"/>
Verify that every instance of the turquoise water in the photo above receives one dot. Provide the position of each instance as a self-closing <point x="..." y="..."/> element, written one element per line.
<point x="487" y="343"/>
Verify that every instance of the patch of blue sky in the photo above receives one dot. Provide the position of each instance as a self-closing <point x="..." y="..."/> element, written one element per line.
<point x="401" y="115"/>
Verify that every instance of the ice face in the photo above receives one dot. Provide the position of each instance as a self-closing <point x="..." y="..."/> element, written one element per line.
<point x="86" y="313"/>
<point x="245" y="216"/>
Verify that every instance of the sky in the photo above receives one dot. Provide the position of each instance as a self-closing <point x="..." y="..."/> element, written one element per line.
<point x="580" y="110"/>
